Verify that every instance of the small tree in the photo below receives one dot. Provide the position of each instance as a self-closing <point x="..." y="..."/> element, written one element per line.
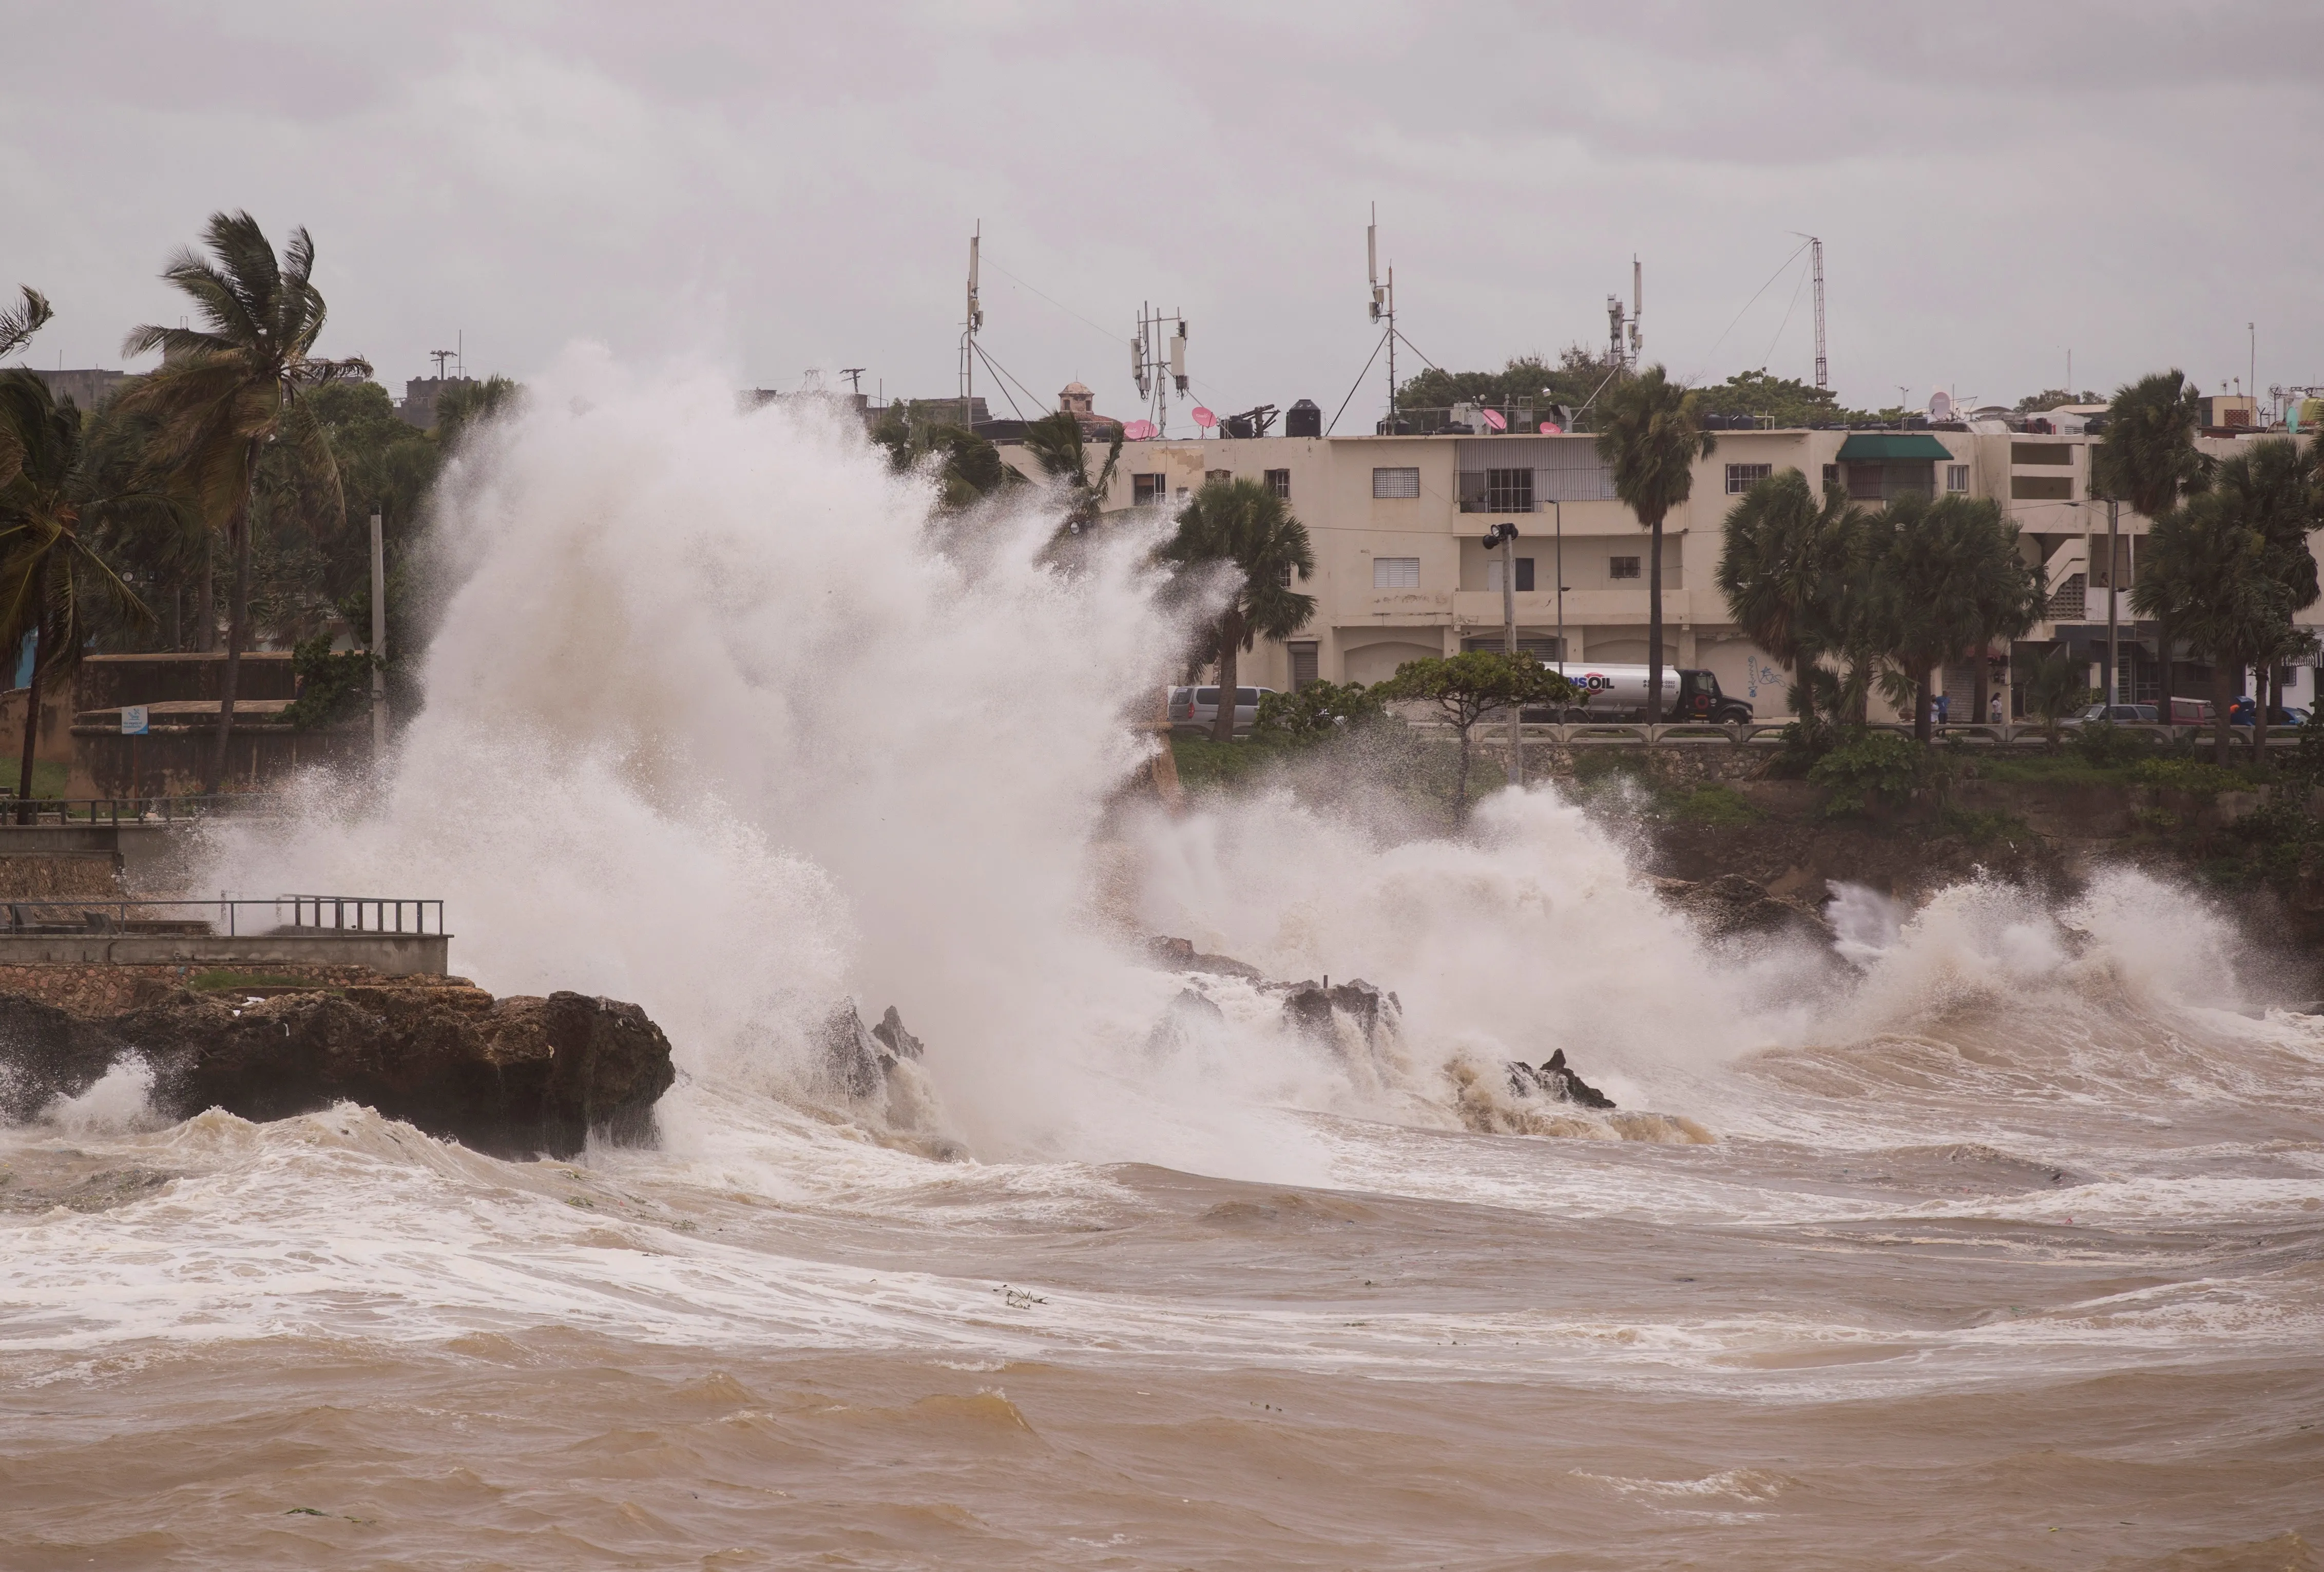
<point x="1948" y="577"/>
<point x="2054" y="689"/>
<point x="1316" y="712"/>
<point x="1466" y="687"/>
<point x="1243" y="525"/>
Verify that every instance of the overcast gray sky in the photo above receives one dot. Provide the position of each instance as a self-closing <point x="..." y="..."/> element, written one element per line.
<point x="783" y="186"/>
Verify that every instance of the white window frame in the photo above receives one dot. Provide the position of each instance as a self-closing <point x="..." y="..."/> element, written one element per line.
<point x="1395" y="483"/>
<point x="1956" y="478"/>
<point x="1396" y="573"/>
<point x="1742" y="478"/>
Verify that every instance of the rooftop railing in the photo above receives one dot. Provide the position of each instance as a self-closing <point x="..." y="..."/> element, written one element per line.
<point x="119" y="810"/>
<point x="232" y="916"/>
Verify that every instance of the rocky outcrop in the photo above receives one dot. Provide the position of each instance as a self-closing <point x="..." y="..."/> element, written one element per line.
<point x="858" y="1059"/>
<point x="1179" y="955"/>
<point x="1189" y="1022"/>
<point x="1310" y="1007"/>
<point x="875" y="1072"/>
<point x="1555" y="1080"/>
<point x="1731" y="906"/>
<point x="514" y="1077"/>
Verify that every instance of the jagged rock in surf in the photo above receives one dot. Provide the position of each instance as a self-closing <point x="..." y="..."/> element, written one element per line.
<point x="1310" y="1007"/>
<point x="1732" y="905"/>
<point x="512" y="1077"/>
<point x="892" y="1033"/>
<point x="1555" y="1079"/>
<point x="1190" y="1020"/>
<point x="1179" y="955"/>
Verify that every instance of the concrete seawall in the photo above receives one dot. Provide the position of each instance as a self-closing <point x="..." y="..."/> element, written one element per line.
<point x="391" y="955"/>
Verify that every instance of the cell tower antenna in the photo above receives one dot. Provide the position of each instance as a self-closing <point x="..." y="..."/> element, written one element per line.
<point x="1637" y="307"/>
<point x="1815" y="254"/>
<point x="439" y="357"/>
<point x="971" y="321"/>
<point x="1158" y="361"/>
<point x="1383" y="304"/>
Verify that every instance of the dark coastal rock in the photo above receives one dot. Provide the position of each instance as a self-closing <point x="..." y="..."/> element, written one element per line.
<point x="1732" y="905"/>
<point x="510" y="1076"/>
<point x="1555" y="1079"/>
<point x="1190" y="1018"/>
<point x="856" y="1058"/>
<point x="1179" y="955"/>
<point x="1310" y="1007"/>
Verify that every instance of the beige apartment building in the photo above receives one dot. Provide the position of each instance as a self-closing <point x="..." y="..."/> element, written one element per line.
<point x="1401" y="571"/>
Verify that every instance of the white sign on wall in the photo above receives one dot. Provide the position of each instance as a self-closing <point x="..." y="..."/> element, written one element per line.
<point x="132" y="720"/>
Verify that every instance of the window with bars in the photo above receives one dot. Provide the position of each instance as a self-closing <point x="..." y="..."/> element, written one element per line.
<point x="1956" y="477"/>
<point x="1509" y="491"/>
<point x="1146" y="490"/>
<point x="1278" y="481"/>
<point x="1211" y="474"/>
<point x="1622" y="566"/>
<point x="1396" y="572"/>
<point x="1830" y="475"/>
<point x="1397" y="484"/>
<point x="1304" y="665"/>
<point x="1742" y="478"/>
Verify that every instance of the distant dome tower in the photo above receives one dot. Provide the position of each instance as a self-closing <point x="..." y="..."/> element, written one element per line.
<point x="1075" y="399"/>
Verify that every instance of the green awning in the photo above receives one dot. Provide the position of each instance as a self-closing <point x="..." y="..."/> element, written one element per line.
<point x="1867" y="445"/>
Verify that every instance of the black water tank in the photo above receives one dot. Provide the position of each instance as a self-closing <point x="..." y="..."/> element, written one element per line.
<point x="1303" y="419"/>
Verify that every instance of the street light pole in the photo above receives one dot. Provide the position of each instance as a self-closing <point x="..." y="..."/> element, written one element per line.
<point x="1510" y="632"/>
<point x="2114" y="595"/>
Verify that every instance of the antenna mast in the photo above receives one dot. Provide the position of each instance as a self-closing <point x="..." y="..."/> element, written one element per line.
<point x="1383" y="306"/>
<point x="970" y="322"/>
<point x="1638" y="306"/>
<point x="1815" y="253"/>
<point x="1150" y="348"/>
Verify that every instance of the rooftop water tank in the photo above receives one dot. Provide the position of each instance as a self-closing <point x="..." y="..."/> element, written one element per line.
<point x="1303" y="418"/>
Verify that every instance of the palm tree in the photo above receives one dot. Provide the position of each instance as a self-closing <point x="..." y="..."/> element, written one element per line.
<point x="52" y="577"/>
<point x="20" y="324"/>
<point x="1782" y="569"/>
<point x="2149" y="459"/>
<point x="1949" y="577"/>
<point x="2054" y="689"/>
<point x="1243" y="525"/>
<point x="1055" y="443"/>
<point x="2208" y="574"/>
<point x="224" y="391"/>
<point x="1652" y="440"/>
<point x="2279" y="491"/>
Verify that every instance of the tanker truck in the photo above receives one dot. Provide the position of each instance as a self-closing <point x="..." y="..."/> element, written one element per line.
<point x="1620" y="693"/>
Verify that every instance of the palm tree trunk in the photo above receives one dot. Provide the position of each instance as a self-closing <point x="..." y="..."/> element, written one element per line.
<point x="1230" y="647"/>
<point x="206" y="598"/>
<point x="1654" y="629"/>
<point x="237" y="531"/>
<point x="2220" y="698"/>
<point x="2262" y="695"/>
<point x="31" y="729"/>
<point x="1982" y="693"/>
<point x="2162" y="643"/>
<point x="1923" y="731"/>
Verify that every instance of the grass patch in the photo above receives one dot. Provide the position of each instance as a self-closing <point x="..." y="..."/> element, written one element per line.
<point x="1982" y="827"/>
<point x="1715" y="804"/>
<point x="1205" y="766"/>
<point x="2046" y="769"/>
<point x="2198" y="776"/>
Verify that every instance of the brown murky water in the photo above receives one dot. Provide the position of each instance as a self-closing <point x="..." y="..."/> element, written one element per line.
<point x="1995" y="1294"/>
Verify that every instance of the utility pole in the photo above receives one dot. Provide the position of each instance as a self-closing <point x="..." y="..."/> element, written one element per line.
<point x="1506" y="534"/>
<point x="2114" y="599"/>
<point x="1383" y="306"/>
<point x="973" y="321"/>
<point x="378" y="637"/>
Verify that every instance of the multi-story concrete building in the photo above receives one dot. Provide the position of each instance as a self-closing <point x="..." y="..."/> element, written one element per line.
<point x="1401" y="571"/>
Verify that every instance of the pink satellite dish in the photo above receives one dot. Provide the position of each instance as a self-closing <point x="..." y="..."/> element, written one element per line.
<point x="1552" y="429"/>
<point x="1138" y="431"/>
<point x="1203" y="417"/>
<point x="1497" y="421"/>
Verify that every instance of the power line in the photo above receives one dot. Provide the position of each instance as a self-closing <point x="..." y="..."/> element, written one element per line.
<point x="1359" y="383"/>
<point x="1747" y="306"/>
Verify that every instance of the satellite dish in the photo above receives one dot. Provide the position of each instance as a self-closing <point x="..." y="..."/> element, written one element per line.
<point x="1552" y="429"/>
<point x="1138" y="431"/>
<point x="1941" y="405"/>
<point x="1496" y="420"/>
<point x="1203" y="417"/>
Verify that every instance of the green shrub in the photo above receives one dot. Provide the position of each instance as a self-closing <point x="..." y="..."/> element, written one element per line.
<point x="2105" y="744"/>
<point x="1315" y="712"/>
<point x="1715" y="804"/>
<point x="1980" y="827"/>
<point x="1886" y="765"/>
<point x="2200" y="776"/>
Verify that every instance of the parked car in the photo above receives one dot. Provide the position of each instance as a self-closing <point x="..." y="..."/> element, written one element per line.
<point x="2191" y="712"/>
<point x="1196" y="709"/>
<point x="2240" y="713"/>
<point x="2120" y="713"/>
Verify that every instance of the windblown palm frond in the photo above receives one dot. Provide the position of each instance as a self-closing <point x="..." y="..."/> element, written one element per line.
<point x="19" y="323"/>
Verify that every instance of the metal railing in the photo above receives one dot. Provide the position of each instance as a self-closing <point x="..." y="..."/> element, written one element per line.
<point x="232" y="916"/>
<point x="1770" y="733"/>
<point x="114" y="812"/>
